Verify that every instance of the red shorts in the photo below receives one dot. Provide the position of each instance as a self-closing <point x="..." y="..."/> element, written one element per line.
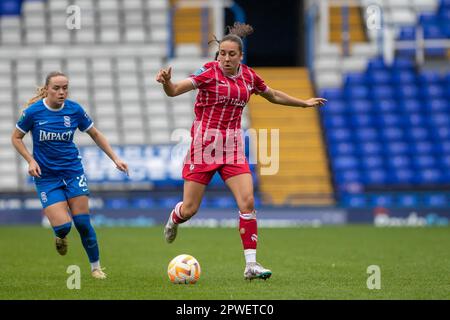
<point x="203" y="173"/>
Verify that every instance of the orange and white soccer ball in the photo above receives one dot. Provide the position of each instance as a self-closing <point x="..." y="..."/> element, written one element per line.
<point x="184" y="269"/>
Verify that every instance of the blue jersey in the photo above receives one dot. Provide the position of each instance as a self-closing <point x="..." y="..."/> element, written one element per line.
<point x="52" y="131"/>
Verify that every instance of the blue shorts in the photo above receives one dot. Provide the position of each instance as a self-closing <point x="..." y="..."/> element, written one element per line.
<point x="53" y="190"/>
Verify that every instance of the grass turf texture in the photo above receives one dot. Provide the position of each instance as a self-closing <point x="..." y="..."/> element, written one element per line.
<point x="307" y="263"/>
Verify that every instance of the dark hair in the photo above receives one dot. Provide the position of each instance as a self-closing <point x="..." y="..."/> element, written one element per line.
<point x="41" y="92"/>
<point x="235" y="34"/>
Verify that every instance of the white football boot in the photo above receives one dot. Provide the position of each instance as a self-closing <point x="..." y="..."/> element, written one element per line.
<point x="254" y="270"/>
<point x="170" y="230"/>
<point x="98" y="273"/>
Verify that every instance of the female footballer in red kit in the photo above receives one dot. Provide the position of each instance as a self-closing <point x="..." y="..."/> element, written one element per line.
<point x="224" y="88"/>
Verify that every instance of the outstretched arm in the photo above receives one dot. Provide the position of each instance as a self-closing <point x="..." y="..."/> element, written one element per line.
<point x="279" y="97"/>
<point x="173" y="89"/>
<point x="17" y="141"/>
<point x="103" y="144"/>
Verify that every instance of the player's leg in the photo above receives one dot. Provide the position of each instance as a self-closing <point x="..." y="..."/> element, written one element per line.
<point x="79" y="207"/>
<point x="54" y="203"/>
<point x="241" y="186"/>
<point x="61" y="223"/>
<point x="184" y="210"/>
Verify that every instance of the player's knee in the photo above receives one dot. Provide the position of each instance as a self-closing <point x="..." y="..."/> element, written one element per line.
<point x="247" y="204"/>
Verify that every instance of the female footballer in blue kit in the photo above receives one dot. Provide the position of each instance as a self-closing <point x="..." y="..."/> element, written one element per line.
<point x="56" y="164"/>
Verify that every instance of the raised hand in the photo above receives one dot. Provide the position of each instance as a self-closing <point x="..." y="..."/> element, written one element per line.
<point x="164" y="75"/>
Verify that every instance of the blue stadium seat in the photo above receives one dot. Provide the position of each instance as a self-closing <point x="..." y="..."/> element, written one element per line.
<point x="445" y="162"/>
<point x="345" y="177"/>
<point x="392" y="134"/>
<point x="369" y="148"/>
<point x="408" y="200"/>
<point x="335" y="121"/>
<point x="407" y="33"/>
<point x="430" y="77"/>
<point x="334" y="107"/>
<point x="342" y="149"/>
<point x="390" y="120"/>
<point x="345" y="162"/>
<point x="417" y="134"/>
<point x="407" y="91"/>
<point x="355" y="78"/>
<point x="411" y="105"/>
<point x="332" y="94"/>
<point x="371" y="162"/>
<point x="362" y="120"/>
<point x="376" y="177"/>
<point x="403" y="176"/>
<point x="398" y="161"/>
<point x="433" y="91"/>
<point x="440" y="120"/>
<point x="382" y="200"/>
<point x="394" y="148"/>
<point x="385" y="105"/>
<point x="379" y="77"/>
<point x="404" y="76"/>
<point x="355" y="200"/>
<point x="421" y="162"/>
<point x="376" y="63"/>
<point x="430" y="176"/>
<point x="436" y="200"/>
<point x="357" y="92"/>
<point x="415" y="120"/>
<point x="365" y="134"/>
<point x="437" y="105"/>
<point x="423" y="147"/>
<point x="339" y="135"/>
<point x="381" y="92"/>
<point x="360" y="106"/>
<point x="440" y="134"/>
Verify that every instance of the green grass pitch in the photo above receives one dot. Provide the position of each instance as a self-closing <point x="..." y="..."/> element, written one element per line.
<point x="307" y="263"/>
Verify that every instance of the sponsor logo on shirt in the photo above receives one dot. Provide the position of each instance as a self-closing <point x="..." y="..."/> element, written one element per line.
<point x="55" y="136"/>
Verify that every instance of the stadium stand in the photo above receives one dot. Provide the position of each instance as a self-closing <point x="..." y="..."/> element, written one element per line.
<point x="387" y="126"/>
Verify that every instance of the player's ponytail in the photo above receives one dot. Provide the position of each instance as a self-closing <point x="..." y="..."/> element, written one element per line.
<point x="41" y="92"/>
<point x="236" y="33"/>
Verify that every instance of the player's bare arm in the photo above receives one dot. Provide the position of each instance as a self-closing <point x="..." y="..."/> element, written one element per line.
<point x="103" y="144"/>
<point x="279" y="97"/>
<point x="17" y="141"/>
<point x="173" y="89"/>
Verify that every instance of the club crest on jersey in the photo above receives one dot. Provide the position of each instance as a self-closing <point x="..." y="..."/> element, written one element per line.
<point x="67" y="121"/>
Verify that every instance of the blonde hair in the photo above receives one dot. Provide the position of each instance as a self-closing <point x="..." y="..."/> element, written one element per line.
<point x="41" y="92"/>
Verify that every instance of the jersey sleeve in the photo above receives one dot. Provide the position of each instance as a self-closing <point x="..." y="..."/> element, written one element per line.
<point x="84" y="122"/>
<point x="25" y="122"/>
<point x="203" y="76"/>
<point x="259" y="86"/>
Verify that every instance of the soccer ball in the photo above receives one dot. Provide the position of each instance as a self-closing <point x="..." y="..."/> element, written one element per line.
<point x="184" y="269"/>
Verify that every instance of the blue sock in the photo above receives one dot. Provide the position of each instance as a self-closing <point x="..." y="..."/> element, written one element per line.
<point x="88" y="237"/>
<point x="63" y="230"/>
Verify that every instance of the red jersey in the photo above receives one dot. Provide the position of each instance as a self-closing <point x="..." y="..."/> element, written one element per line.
<point x="218" y="107"/>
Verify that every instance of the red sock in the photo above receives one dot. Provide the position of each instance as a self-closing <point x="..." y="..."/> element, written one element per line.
<point x="248" y="230"/>
<point x="176" y="215"/>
